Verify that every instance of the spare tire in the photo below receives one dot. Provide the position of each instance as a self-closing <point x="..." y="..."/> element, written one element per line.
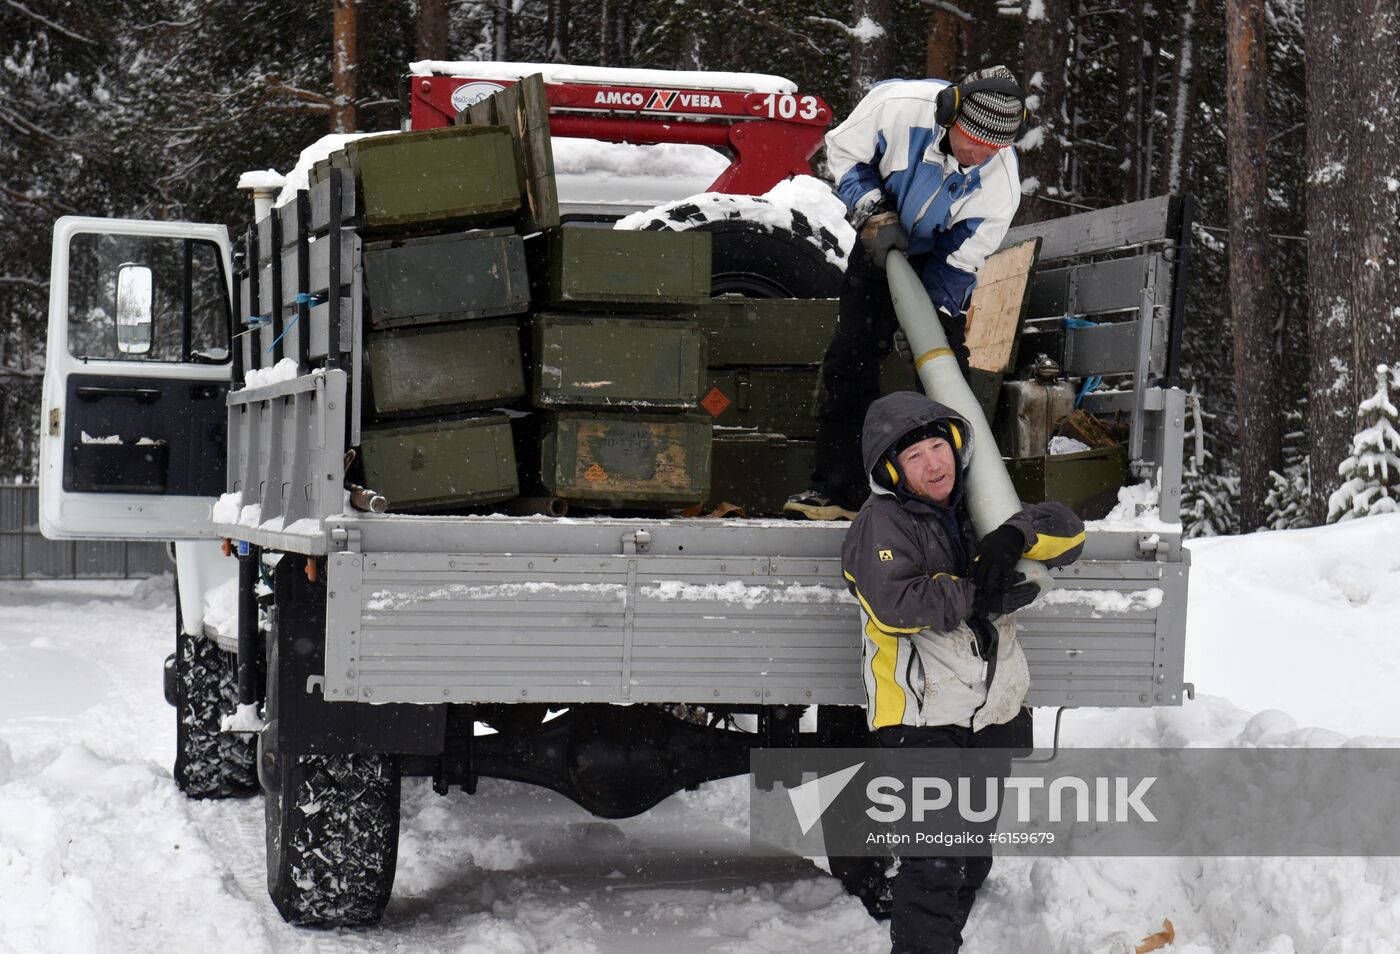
<point x="759" y="250"/>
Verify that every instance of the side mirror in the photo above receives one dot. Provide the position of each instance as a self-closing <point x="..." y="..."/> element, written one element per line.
<point x="133" y="308"/>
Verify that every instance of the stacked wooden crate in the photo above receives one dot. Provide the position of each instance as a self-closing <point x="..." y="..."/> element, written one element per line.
<point x="762" y="391"/>
<point x="504" y="355"/>
<point x="442" y="311"/>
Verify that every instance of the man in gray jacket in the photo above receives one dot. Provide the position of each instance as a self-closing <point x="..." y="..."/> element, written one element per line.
<point x="942" y="665"/>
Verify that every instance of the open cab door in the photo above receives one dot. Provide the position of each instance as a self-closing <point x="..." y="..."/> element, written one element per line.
<point x="133" y="433"/>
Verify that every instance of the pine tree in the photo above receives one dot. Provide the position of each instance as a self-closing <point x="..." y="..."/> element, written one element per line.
<point x="1209" y="493"/>
<point x="1289" y="500"/>
<point x="1371" y="474"/>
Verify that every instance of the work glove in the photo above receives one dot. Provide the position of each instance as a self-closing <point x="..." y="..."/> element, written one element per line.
<point x="880" y="233"/>
<point x="1000" y="600"/>
<point x="871" y="204"/>
<point x="995" y="563"/>
<point x="955" y="330"/>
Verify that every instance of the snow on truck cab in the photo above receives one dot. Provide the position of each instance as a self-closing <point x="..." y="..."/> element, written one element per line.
<point x="323" y="650"/>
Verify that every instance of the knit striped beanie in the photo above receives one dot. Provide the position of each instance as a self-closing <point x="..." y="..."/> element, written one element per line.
<point x="990" y="118"/>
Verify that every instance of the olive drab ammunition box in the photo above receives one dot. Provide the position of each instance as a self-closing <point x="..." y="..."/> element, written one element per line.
<point x="766" y="331"/>
<point x="758" y="471"/>
<point x="620" y="460"/>
<point x="1086" y="482"/>
<point x="459" y="175"/>
<point x="584" y="361"/>
<point x="463" y="275"/>
<point x="768" y="401"/>
<point x="435" y="465"/>
<point x="462" y="364"/>
<point x="576" y="266"/>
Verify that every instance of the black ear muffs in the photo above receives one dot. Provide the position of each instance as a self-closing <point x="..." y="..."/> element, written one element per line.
<point x="949" y="102"/>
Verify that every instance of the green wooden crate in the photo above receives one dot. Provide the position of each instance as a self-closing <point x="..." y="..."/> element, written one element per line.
<point x="581" y="266"/>
<point x="463" y="364"/>
<point x="767" y="331"/>
<point x="459" y="175"/>
<point x="438" y="465"/>
<point x="582" y="361"/>
<point x="759" y="471"/>
<point x="623" y="461"/>
<point x="1086" y="482"/>
<point x="463" y="275"/>
<point x="766" y="401"/>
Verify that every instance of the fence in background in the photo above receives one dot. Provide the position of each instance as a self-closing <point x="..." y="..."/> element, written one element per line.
<point x="26" y="555"/>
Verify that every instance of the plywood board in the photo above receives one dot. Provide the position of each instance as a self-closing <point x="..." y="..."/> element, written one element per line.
<point x="998" y="306"/>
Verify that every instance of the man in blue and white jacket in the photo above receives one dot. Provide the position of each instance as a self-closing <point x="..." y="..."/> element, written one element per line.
<point x="946" y="194"/>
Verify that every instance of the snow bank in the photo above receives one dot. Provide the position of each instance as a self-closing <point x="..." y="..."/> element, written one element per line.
<point x="606" y="75"/>
<point x="1301" y="620"/>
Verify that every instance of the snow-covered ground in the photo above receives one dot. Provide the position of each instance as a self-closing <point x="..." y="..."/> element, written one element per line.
<point x="99" y="853"/>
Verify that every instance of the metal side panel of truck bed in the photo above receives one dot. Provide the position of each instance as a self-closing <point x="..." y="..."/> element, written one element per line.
<point x="483" y="609"/>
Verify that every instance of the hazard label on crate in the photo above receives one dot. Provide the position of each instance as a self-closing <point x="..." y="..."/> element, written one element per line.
<point x="596" y="473"/>
<point x="715" y="402"/>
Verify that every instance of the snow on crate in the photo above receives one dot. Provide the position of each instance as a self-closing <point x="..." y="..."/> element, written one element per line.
<point x="801" y="196"/>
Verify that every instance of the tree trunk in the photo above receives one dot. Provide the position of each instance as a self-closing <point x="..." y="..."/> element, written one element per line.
<point x="1045" y="77"/>
<point x="1183" y="102"/>
<point x="872" y="45"/>
<point x="344" y="66"/>
<point x="1331" y="334"/>
<point x="500" y="30"/>
<point x="1130" y="23"/>
<point x="558" y="31"/>
<point x="992" y="39"/>
<point x="1252" y="314"/>
<point x="941" y="46"/>
<point x="607" y="12"/>
<point x="1375" y="187"/>
<point x="430" y="37"/>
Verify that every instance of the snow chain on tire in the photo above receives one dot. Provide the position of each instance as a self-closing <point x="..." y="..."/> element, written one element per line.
<point x="209" y="763"/>
<point x="332" y="838"/>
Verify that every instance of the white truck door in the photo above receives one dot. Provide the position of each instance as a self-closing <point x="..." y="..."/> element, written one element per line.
<point x="133" y="433"/>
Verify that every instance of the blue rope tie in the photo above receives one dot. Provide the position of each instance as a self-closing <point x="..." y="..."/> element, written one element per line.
<point x="1093" y="382"/>
<point x="283" y="334"/>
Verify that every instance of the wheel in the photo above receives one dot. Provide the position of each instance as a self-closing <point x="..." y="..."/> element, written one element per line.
<point x="332" y="837"/>
<point x="760" y="250"/>
<point x="208" y="763"/>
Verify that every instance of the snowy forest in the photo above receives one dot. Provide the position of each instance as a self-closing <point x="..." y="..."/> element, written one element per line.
<point x="1282" y="117"/>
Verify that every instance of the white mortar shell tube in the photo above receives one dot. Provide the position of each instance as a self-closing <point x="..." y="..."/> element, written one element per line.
<point x="987" y="488"/>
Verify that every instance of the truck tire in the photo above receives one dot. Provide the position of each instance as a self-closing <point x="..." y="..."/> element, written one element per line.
<point x="208" y="763"/>
<point x="752" y="254"/>
<point x="332" y="837"/>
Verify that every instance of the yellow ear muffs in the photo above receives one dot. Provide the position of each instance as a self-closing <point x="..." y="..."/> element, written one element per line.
<point x="957" y="435"/>
<point x="894" y="473"/>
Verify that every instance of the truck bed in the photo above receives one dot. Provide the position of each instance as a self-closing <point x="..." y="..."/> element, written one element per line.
<point x="493" y="609"/>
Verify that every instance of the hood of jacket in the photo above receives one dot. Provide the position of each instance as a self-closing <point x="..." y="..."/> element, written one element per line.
<point x="893" y="416"/>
